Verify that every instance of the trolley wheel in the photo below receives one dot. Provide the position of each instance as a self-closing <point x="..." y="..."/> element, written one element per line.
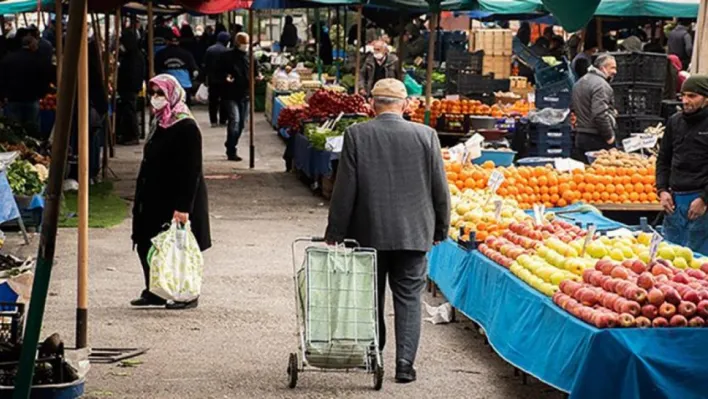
<point x="378" y="376"/>
<point x="292" y="370"/>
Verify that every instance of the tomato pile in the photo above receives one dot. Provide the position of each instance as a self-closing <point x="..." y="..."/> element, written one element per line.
<point x="291" y="117"/>
<point x="322" y="105"/>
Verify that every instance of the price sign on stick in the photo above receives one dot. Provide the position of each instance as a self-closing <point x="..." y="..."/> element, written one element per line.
<point x="457" y="152"/>
<point x="494" y="182"/>
<point x="591" y="234"/>
<point x="497" y="210"/>
<point x="656" y="239"/>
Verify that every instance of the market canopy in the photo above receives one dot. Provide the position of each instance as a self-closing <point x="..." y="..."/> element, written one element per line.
<point x="18" y="6"/>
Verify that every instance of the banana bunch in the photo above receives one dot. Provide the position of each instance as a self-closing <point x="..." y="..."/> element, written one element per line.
<point x="294" y="99"/>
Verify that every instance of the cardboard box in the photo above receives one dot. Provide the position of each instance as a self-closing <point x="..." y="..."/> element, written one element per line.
<point x="499" y="65"/>
<point x="492" y="41"/>
<point x="518" y="82"/>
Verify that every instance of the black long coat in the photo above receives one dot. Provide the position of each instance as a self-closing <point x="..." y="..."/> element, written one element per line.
<point x="171" y="178"/>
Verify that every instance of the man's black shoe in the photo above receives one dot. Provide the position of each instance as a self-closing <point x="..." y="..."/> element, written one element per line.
<point x="405" y="372"/>
<point x="182" y="305"/>
<point x="234" y="158"/>
<point x="148" y="299"/>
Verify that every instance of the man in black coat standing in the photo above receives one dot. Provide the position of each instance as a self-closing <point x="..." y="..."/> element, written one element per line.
<point x="131" y="71"/>
<point x="216" y="80"/>
<point x="288" y="39"/>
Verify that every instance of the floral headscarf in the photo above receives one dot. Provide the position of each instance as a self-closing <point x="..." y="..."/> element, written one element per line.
<point x="176" y="108"/>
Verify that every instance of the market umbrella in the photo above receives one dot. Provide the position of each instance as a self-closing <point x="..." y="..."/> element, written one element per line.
<point x="699" y="64"/>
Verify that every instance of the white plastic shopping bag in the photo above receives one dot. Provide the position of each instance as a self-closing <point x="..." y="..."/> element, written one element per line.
<point x="176" y="264"/>
<point x="202" y="95"/>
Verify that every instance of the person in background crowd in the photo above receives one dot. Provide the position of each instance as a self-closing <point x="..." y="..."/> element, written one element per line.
<point x="609" y="43"/>
<point x="557" y="47"/>
<point x="654" y="46"/>
<point x="548" y="33"/>
<point x="574" y="45"/>
<point x="178" y="62"/>
<point x="162" y="34"/>
<point x="524" y="33"/>
<point x="235" y="66"/>
<point x="631" y="44"/>
<point x="415" y="44"/>
<point x="170" y="184"/>
<point x="593" y="104"/>
<point x="216" y="80"/>
<point x="542" y="47"/>
<point x="50" y="34"/>
<point x="378" y="65"/>
<point x="219" y="27"/>
<point x="131" y="70"/>
<point x="24" y="79"/>
<point x="674" y="80"/>
<point x="288" y="39"/>
<point x="680" y="42"/>
<point x="199" y="31"/>
<point x="391" y="194"/>
<point x="582" y="62"/>
<point x="236" y="29"/>
<point x="45" y="49"/>
<point x="187" y="40"/>
<point x="682" y="169"/>
<point x="209" y="37"/>
<point x="326" y="55"/>
<point x="371" y="34"/>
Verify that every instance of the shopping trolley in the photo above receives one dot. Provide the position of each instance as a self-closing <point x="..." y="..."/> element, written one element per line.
<point x="336" y="303"/>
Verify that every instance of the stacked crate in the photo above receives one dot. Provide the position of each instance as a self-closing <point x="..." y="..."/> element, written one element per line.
<point x="497" y="47"/>
<point x="638" y="88"/>
<point x="550" y="141"/>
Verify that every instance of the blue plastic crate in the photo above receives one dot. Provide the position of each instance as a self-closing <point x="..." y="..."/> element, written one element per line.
<point x="551" y="150"/>
<point x="551" y="75"/>
<point x="540" y="132"/>
<point x="500" y="158"/>
<point x="558" y="96"/>
<point x="535" y="161"/>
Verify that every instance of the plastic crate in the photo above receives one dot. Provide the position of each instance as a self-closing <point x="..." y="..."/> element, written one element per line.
<point x="628" y="124"/>
<point x="457" y="59"/>
<point x="637" y="99"/>
<point x="558" y="133"/>
<point x="453" y="123"/>
<point x="471" y="83"/>
<point x="524" y="53"/>
<point x="641" y="68"/>
<point x="551" y="150"/>
<point x="558" y="96"/>
<point x="551" y="75"/>
<point x="535" y="161"/>
<point x="500" y="158"/>
<point x="670" y="107"/>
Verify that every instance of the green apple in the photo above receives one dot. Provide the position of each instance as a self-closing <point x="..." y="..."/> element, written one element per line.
<point x="644" y="256"/>
<point x="616" y="254"/>
<point x="557" y="277"/>
<point x="684" y="253"/>
<point x="666" y="253"/>
<point x="597" y="249"/>
<point x="680" y="263"/>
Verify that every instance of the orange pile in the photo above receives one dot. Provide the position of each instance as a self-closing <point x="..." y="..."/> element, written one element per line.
<point x="469" y="107"/>
<point x="545" y="185"/>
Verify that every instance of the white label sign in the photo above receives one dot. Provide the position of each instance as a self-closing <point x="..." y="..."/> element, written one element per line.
<point x="654" y="245"/>
<point x="497" y="210"/>
<point x="334" y="144"/>
<point x="567" y="165"/>
<point x="495" y="181"/>
<point x="458" y="152"/>
<point x="636" y="143"/>
<point x="591" y="234"/>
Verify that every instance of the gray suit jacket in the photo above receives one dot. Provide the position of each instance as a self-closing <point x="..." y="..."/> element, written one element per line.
<point x="391" y="191"/>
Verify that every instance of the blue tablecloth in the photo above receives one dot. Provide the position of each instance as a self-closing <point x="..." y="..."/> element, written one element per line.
<point x="601" y="223"/>
<point x="313" y="163"/>
<point x="277" y="107"/>
<point x="529" y="331"/>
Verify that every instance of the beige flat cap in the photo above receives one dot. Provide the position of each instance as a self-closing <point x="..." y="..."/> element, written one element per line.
<point x="393" y="88"/>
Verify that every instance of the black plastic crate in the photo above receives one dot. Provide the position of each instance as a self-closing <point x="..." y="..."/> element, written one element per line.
<point x="631" y="99"/>
<point x="457" y="60"/>
<point x="551" y="75"/>
<point x="670" y="107"/>
<point x="470" y="83"/>
<point x="551" y="151"/>
<point x="628" y="124"/>
<point x="558" y="96"/>
<point x="544" y="133"/>
<point x="641" y="68"/>
<point x="453" y="123"/>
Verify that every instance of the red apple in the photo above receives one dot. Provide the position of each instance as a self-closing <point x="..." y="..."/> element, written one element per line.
<point x="627" y="264"/>
<point x="656" y="297"/>
<point x="645" y="280"/>
<point x="695" y="285"/>
<point x="638" y="267"/>
<point x="702" y="308"/>
<point x="618" y="304"/>
<point x="588" y="298"/>
<point x="667" y="310"/>
<point x="609" y="284"/>
<point x="650" y="311"/>
<point x="642" y="322"/>
<point x="691" y="295"/>
<point x="678" y="321"/>
<point x="588" y="273"/>
<point x="661" y="269"/>
<point x="688" y="309"/>
<point x="635" y="293"/>
<point x="661" y="278"/>
<point x="696" y="321"/>
<point x="621" y="286"/>
<point x="682" y="278"/>
<point x="626" y="320"/>
<point x="631" y="307"/>
<point x="620" y="272"/>
<point x="704" y="268"/>
<point x="570" y="287"/>
<point x="697" y="274"/>
<point x="659" y="322"/>
<point x="671" y="295"/>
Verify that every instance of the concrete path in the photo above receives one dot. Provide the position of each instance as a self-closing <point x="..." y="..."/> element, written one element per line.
<point x="236" y="344"/>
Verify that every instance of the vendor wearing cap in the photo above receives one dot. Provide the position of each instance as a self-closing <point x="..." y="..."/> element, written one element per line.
<point x="391" y="194"/>
<point x="682" y="169"/>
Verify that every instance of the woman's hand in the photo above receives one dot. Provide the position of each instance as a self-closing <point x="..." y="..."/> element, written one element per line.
<point x="180" y="217"/>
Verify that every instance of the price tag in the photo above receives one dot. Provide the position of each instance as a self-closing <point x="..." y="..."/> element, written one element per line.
<point x="497" y="210"/>
<point x="458" y="152"/>
<point x="591" y="233"/>
<point x="495" y="181"/>
<point x="537" y="218"/>
<point x="334" y="144"/>
<point x="567" y="165"/>
<point x="452" y="97"/>
<point x="639" y="142"/>
<point x="656" y="239"/>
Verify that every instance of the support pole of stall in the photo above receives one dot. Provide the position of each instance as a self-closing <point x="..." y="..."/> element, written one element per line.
<point x="357" y="64"/>
<point x="82" y="208"/>
<point x="47" y="243"/>
<point x="336" y="42"/>
<point x="252" y="92"/>
<point x="318" y="39"/>
<point x="116" y="52"/>
<point x="598" y="33"/>
<point x="59" y="28"/>
<point x="346" y="34"/>
<point x="431" y="57"/>
<point x="151" y="41"/>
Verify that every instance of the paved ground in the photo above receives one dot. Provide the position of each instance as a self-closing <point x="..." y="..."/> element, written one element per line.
<point x="235" y="345"/>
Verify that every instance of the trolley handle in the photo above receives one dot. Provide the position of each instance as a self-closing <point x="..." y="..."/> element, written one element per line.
<point x="349" y="242"/>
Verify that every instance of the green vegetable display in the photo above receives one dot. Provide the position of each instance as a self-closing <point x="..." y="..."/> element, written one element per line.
<point x="438" y="77"/>
<point x="318" y="136"/>
<point x="24" y="179"/>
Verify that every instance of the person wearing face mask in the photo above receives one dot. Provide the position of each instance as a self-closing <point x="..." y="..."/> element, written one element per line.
<point x="377" y="66"/>
<point x="176" y="61"/>
<point x="235" y="66"/>
<point x="391" y="194"/>
<point x="131" y="70"/>
<point x="170" y="184"/>
<point x="682" y="169"/>
<point x="593" y="102"/>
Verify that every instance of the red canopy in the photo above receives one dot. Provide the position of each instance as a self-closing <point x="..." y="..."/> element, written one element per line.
<point x="201" y="6"/>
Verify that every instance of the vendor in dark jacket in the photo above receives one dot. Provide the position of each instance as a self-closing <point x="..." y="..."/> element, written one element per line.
<point x="288" y="39"/>
<point x="215" y="79"/>
<point x="170" y="184"/>
<point x="682" y="169"/>
<point x="378" y="65"/>
<point x="593" y="103"/>
<point x="131" y="71"/>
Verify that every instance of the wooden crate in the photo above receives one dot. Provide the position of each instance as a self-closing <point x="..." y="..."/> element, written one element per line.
<point x="518" y="82"/>
<point x="492" y="41"/>
<point x="499" y="65"/>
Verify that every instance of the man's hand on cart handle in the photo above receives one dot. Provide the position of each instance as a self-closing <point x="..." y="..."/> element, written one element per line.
<point x="697" y="209"/>
<point x="667" y="202"/>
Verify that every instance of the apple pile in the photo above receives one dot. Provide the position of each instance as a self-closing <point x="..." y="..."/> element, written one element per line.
<point x="636" y="294"/>
<point x="502" y="251"/>
<point x="539" y="274"/>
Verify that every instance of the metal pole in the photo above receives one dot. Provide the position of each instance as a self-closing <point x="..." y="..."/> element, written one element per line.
<point x="318" y="39"/>
<point x="47" y="243"/>
<point x="431" y="56"/>
<point x="346" y="34"/>
<point x="83" y="208"/>
<point x="336" y="39"/>
<point x="151" y="41"/>
<point x="119" y="29"/>
<point x="598" y="33"/>
<point x="59" y="28"/>
<point x="357" y="65"/>
<point x="252" y="92"/>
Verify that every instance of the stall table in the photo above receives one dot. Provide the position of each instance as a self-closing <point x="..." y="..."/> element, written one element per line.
<point x="630" y="213"/>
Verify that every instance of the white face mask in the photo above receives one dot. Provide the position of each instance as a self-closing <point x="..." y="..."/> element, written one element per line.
<point x="243" y="47"/>
<point x="379" y="56"/>
<point x="158" y="103"/>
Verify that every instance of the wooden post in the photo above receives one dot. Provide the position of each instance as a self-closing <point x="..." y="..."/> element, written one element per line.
<point x="116" y="53"/>
<point x="252" y="91"/>
<point x="431" y="59"/>
<point x="151" y="41"/>
<point x="598" y="33"/>
<point x="59" y="28"/>
<point x="357" y="64"/>
<point x="47" y="243"/>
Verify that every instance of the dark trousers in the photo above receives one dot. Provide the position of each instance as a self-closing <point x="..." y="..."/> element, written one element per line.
<point x="127" y="126"/>
<point x="585" y="142"/>
<point x="237" y="114"/>
<point x="25" y="113"/>
<point x="406" y="276"/>
<point x="217" y="105"/>
<point x="143" y="248"/>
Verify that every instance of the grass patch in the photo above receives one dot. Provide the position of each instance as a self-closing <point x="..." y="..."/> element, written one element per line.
<point x="105" y="208"/>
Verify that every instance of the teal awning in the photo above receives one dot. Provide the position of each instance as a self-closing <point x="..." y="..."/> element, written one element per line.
<point x="17" y="6"/>
<point x="648" y="8"/>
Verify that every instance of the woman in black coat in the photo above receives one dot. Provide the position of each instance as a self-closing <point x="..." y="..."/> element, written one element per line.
<point x="171" y="183"/>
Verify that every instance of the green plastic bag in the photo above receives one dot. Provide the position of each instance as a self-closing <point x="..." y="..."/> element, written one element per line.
<point x="176" y="264"/>
<point x="413" y="88"/>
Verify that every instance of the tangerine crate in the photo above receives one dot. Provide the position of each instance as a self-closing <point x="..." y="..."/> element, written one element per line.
<point x="498" y="65"/>
<point x="492" y="41"/>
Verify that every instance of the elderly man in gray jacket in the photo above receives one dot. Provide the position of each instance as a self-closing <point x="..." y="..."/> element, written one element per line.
<point x="594" y="106"/>
<point x="391" y="194"/>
